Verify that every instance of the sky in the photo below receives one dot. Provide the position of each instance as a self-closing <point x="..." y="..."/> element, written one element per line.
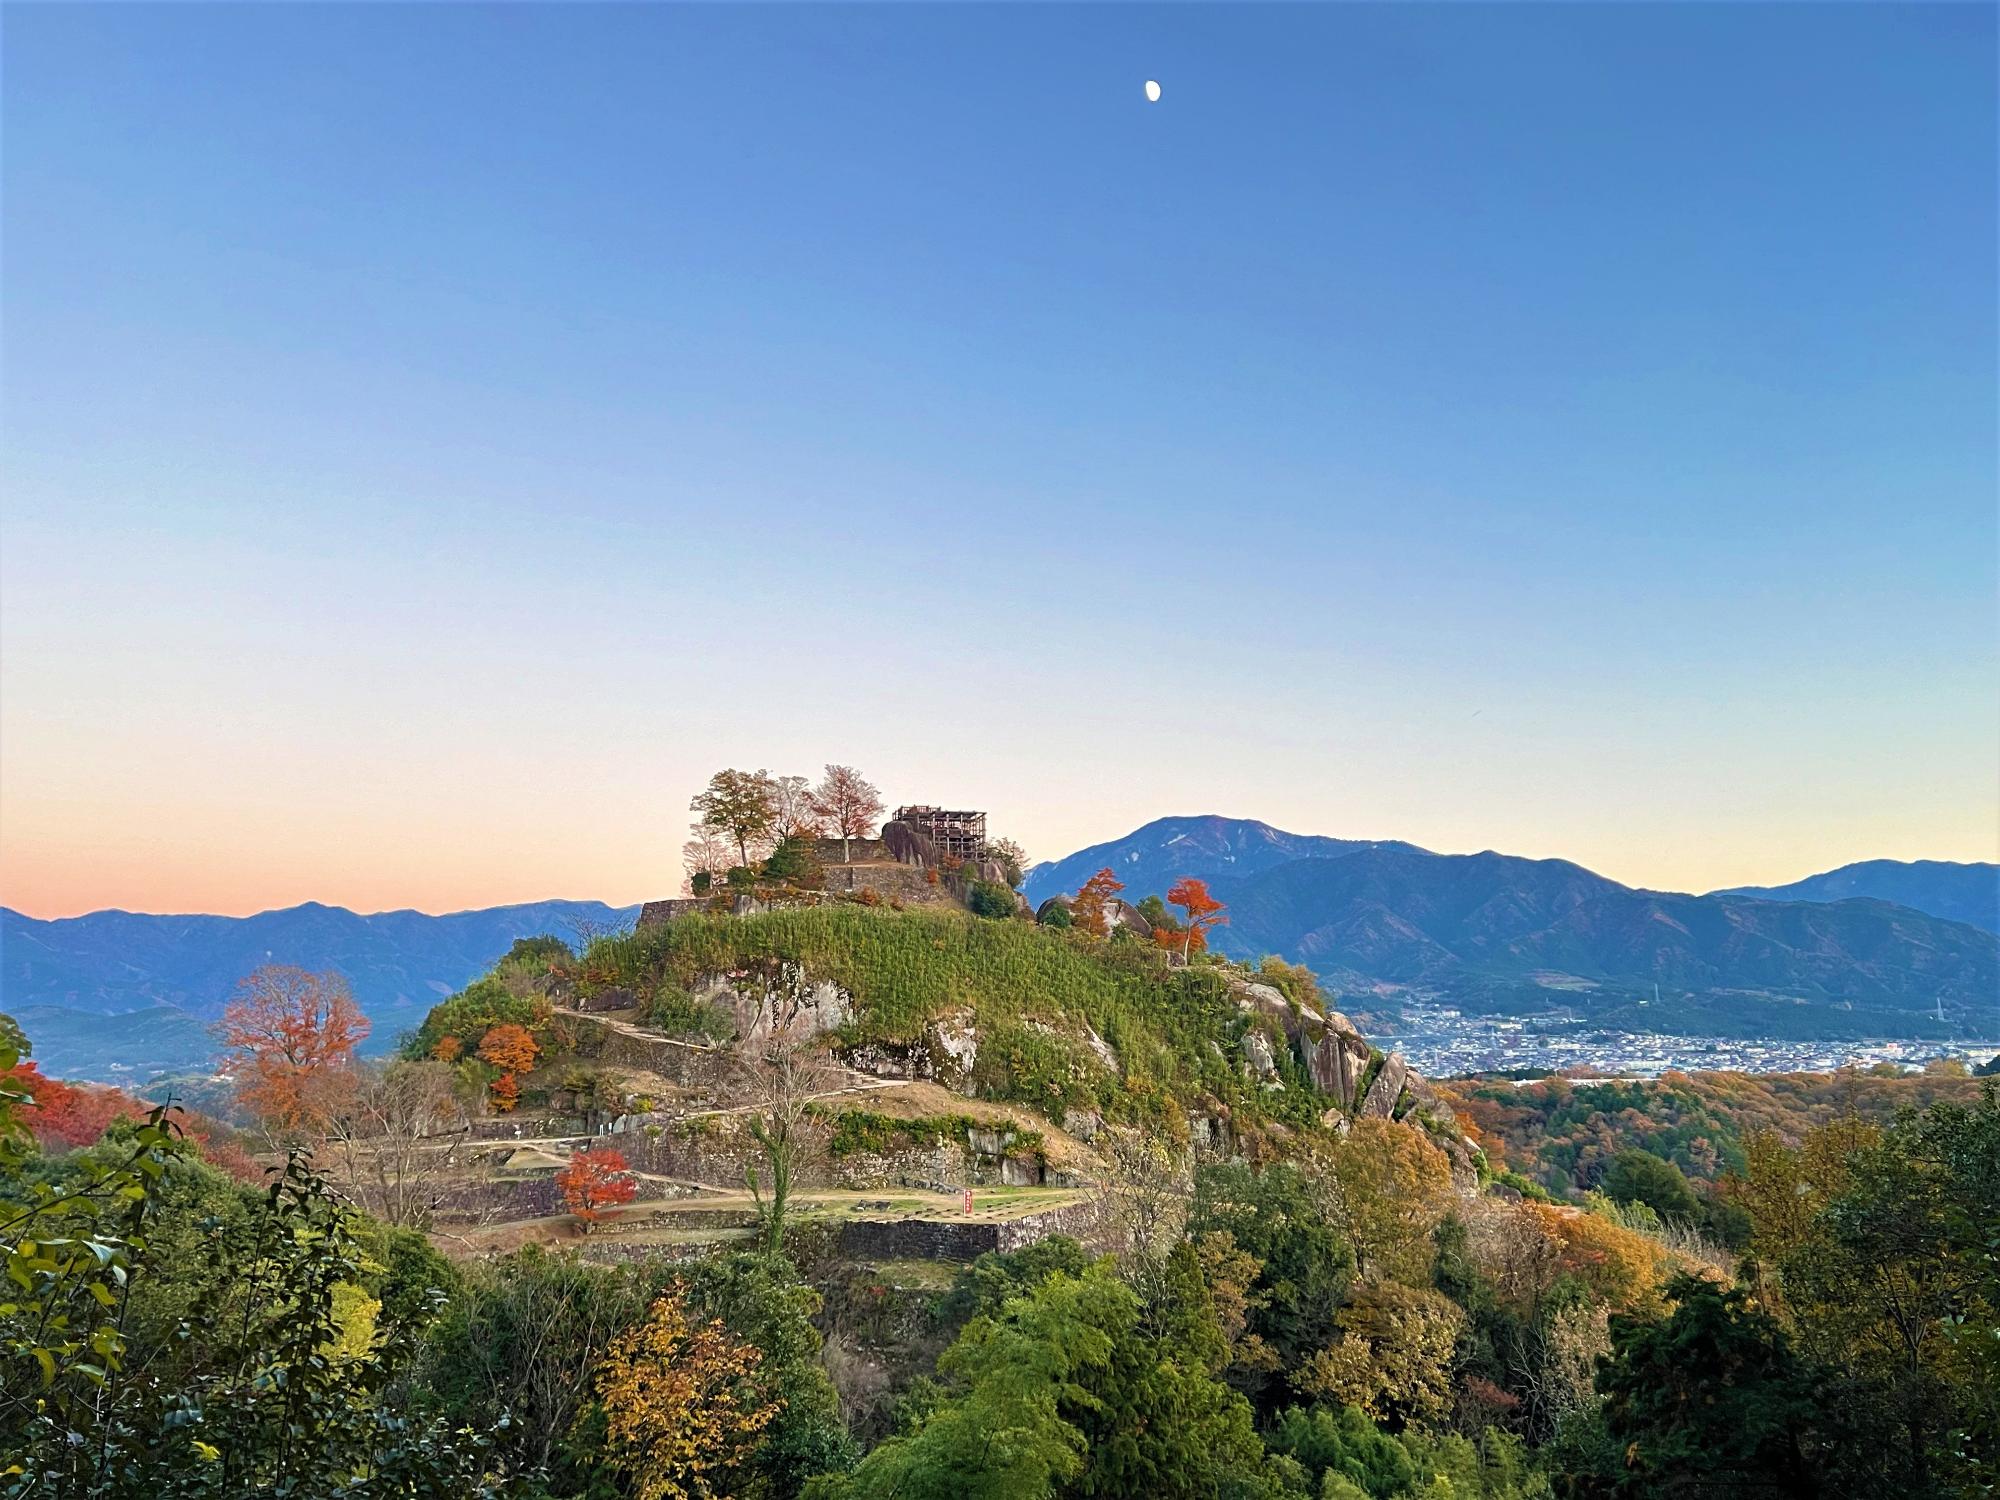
<point x="437" y="437"/>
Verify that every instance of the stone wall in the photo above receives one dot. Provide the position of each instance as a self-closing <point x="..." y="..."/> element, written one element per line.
<point x="949" y="1239"/>
<point x="918" y="1239"/>
<point x="705" y="1069"/>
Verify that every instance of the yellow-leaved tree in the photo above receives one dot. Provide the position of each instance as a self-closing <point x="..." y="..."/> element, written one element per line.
<point x="681" y="1403"/>
<point x="1393" y="1190"/>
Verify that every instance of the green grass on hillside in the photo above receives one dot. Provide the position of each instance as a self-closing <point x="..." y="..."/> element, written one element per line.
<point x="1031" y="992"/>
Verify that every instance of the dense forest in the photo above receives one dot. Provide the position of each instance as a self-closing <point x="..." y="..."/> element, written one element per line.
<point x="1565" y="1134"/>
<point x="1339" y="1324"/>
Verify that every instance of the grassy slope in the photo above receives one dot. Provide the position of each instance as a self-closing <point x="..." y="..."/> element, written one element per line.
<point x="1176" y="1032"/>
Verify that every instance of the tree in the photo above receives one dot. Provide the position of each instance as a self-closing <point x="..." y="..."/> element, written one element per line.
<point x="388" y="1139"/>
<point x="1012" y="858"/>
<point x="703" y="857"/>
<point x="1636" y="1176"/>
<point x="785" y="1065"/>
<point x="512" y="1049"/>
<point x="1275" y="1216"/>
<point x="292" y="1037"/>
<point x="850" y="803"/>
<point x="1065" y="1390"/>
<point x="595" y="1181"/>
<point x="1393" y="1356"/>
<point x="519" y="1348"/>
<point x="1088" y="910"/>
<point x="679" y="1403"/>
<point x="795" y="810"/>
<point x="762" y="1300"/>
<point x="64" y="1115"/>
<point x="1711" y="1401"/>
<point x="1204" y="914"/>
<point x="263" y="1390"/>
<point x="739" y="805"/>
<point x="1391" y="1189"/>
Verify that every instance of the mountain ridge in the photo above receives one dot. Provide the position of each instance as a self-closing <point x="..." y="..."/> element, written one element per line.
<point x="1500" y="933"/>
<point x="1959" y="891"/>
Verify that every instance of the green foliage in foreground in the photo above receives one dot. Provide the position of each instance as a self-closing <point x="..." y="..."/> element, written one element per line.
<point x="1032" y="993"/>
<point x="166" y="1332"/>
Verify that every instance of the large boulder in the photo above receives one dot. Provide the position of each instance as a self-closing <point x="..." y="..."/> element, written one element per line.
<point x="1118" y="912"/>
<point x="1387" y="1088"/>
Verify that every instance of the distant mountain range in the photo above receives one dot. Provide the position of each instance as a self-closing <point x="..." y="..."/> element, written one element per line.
<point x="1388" y="922"/>
<point x="167" y="978"/>
<point x="1875" y="949"/>
<point x="1956" y="892"/>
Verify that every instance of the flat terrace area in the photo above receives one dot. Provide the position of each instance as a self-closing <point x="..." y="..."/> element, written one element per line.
<point x="695" y="1215"/>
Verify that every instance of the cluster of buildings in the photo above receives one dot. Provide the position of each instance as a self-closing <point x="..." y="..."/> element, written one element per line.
<point x="1442" y="1042"/>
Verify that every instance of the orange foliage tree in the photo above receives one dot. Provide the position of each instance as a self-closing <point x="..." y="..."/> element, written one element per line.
<point x="1204" y="913"/>
<point x="681" y="1404"/>
<point x="292" y="1036"/>
<point x="64" y="1115"/>
<point x="512" y="1049"/>
<point x="594" y="1182"/>
<point x="1087" y="911"/>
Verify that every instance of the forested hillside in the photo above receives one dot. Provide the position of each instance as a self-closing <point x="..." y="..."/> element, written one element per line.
<point x="1566" y="1133"/>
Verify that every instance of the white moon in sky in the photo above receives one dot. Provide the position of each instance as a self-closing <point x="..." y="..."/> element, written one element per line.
<point x="1152" y="92"/>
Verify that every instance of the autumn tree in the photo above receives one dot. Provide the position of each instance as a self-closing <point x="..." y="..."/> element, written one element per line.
<point x="63" y="1115"/>
<point x="1390" y="1189"/>
<point x="1393" y="1356"/>
<point x="738" y="805"/>
<point x="512" y="1049"/>
<point x="596" y="1181"/>
<point x="795" y="810"/>
<point x="1088" y="910"/>
<point x="679" y="1403"/>
<point x="849" y="803"/>
<point x="1203" y="914"/>
<point x="292" y="1036"/>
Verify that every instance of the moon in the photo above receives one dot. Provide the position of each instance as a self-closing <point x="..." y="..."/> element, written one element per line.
<point x="1152" y="91"/>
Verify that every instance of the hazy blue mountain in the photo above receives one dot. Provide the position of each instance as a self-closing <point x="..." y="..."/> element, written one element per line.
<point x="161" y="980"/>
<point x="1152" y="858"/>
<point x="1491" y="932"/>
<point x="1956" y="892"/>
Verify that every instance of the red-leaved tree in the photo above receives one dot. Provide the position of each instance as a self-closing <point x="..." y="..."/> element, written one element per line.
<point x="1204" y="913"/>
<point x="512" y="1049"/>
<point x="292" y="1037"/>
<point x="63" y="1115"/>
<point x="1087" y="911"/>
<point x="595" y="1182"/>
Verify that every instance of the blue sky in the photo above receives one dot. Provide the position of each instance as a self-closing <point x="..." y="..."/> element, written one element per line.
<point x="438" y="436"/>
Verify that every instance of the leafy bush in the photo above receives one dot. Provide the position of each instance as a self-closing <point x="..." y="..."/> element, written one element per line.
<point x="471" y="1013"/>
<point x="989" y="898"/>
<point x="541" y="950"/>
<point x="674" y="1012"/>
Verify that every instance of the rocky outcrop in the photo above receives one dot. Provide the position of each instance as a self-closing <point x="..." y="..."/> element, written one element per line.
<point x="1118" y="913"/>
<point x="1380" y="1101"/>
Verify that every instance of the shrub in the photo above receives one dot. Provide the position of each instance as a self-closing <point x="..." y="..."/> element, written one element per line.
<point x="700" y="882"/>
<point x="1057" y="916"/>
<point x="675" y="1012"/>
<point x="989" y="898"/>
